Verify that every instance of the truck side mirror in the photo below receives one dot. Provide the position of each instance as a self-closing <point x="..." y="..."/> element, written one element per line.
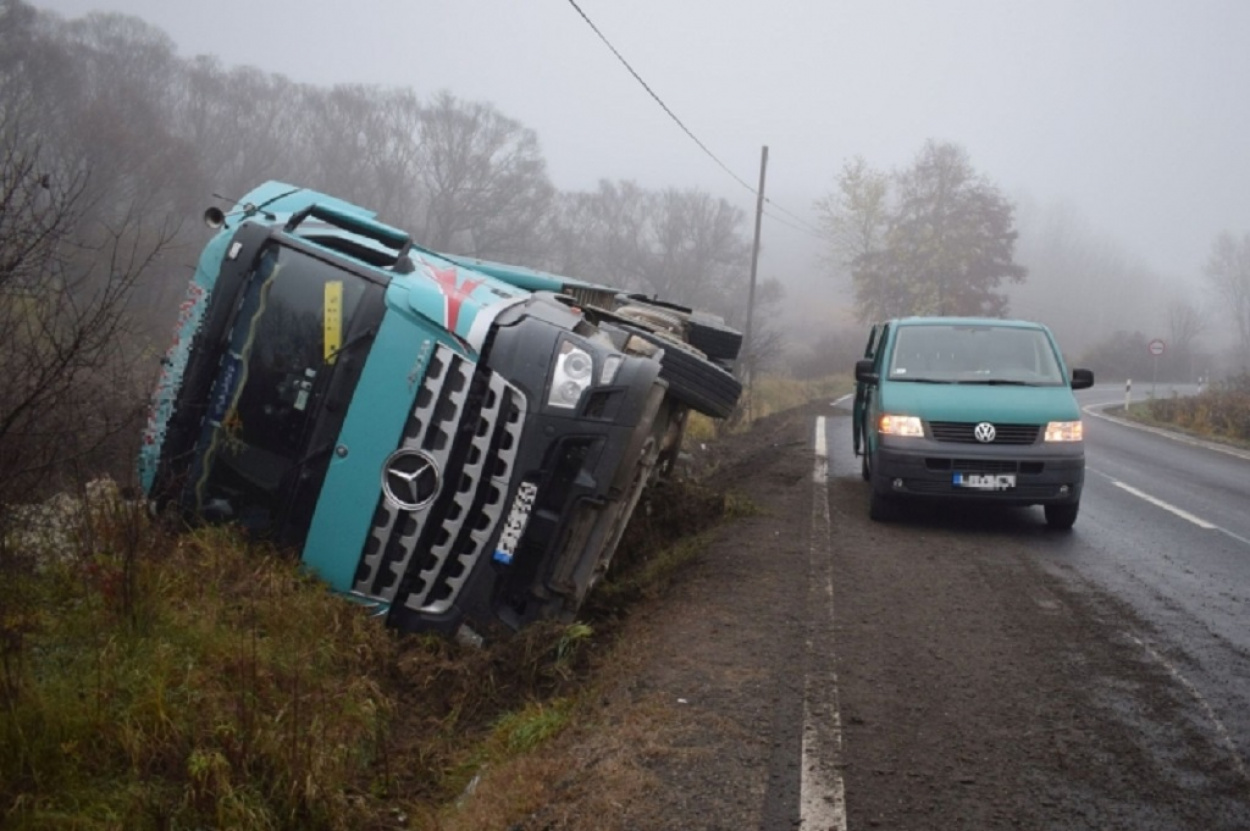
<point x="1082" y="379"/>
<point x="864" y="371"/>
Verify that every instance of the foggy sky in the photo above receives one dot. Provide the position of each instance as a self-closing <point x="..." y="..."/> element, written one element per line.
<point x="1134" y="112"/>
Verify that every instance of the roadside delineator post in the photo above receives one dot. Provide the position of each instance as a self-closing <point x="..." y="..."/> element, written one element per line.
<point x="1128" y="394"/>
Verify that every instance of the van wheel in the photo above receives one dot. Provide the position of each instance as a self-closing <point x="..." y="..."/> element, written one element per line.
<point x="1061" y="517"/>
<point x="882" y="508"/>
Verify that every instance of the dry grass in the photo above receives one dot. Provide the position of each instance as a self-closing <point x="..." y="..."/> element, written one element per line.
<point x="153" y="680"/>
<point x="158" y="680"/>
<point x="1220" y="412"/>
<point x="768" y="395"/>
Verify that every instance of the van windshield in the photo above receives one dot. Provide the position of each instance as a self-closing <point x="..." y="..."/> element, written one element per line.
<point x="953" y="354"/>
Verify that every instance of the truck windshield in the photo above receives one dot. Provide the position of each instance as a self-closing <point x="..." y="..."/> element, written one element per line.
<point x="296" y="325"/>
<point x="953" y="354"/>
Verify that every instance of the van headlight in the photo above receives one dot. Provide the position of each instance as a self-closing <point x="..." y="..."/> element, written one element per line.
<point x="574" y="372"/>
<point x="1065" y="431"/>
<point x="900" y="425"/>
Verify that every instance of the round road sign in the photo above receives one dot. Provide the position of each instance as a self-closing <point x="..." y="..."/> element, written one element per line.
<point x="1156" y="347"/>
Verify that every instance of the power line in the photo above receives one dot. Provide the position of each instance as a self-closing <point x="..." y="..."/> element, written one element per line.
<point x="801" y="226"/>
<point x="798" y="225"/>
<point x="802" y="223"/>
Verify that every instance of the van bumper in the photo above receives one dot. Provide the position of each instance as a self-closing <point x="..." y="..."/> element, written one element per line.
<point x="1043" y="474"/>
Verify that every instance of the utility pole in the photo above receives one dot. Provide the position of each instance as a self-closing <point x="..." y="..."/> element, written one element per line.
<point x="747" y="345"/>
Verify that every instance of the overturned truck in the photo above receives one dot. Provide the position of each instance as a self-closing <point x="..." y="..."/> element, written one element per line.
<point x="456" y="443"/>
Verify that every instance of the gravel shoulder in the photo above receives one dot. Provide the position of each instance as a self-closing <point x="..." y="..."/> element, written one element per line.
<point x="975" y="689"/>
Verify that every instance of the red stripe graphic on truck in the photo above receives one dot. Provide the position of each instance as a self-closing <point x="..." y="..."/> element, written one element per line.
<point x="454" y="292"/>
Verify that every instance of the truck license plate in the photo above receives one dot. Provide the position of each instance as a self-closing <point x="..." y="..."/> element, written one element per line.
<point x="518" y="518"/>
<point x="985" y="481"/>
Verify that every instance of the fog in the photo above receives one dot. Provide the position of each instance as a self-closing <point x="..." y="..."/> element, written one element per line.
<point x="1131" y="114"/>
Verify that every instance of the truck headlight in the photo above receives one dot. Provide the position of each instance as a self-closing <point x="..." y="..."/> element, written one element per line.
<point x="900" y="425"/>
<point x="573" y="373"/>
<point x="1065" y="431"/>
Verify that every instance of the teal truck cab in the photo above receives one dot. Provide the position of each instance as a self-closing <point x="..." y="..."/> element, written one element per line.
<point x="969" y="409"/>
<point x="457" y="451"/>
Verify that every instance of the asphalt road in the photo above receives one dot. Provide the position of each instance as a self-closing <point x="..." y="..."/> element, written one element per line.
<point x="963" y="667"/>
<point x="1165" y="527"/>
<point x="1150" y="596"/>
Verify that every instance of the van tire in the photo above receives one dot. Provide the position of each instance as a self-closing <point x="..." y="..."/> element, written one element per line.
<point x="1061" y="516"/>
<point x="882" y="507"/>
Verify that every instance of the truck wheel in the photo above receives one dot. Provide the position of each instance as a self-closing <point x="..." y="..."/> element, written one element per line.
<point x="710" y="335"/>
<point x="1061" y="517"/>
<point x="703" y="330"/>
<point x="694" y="380"/>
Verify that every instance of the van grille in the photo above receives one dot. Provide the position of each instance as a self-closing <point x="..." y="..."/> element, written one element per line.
<point x="469" y="421"/>
<point x="961" y="432"/>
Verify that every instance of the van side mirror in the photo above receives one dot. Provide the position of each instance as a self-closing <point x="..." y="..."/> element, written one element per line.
<point x="864" y="373"/>
<point x="1082" y="379"/>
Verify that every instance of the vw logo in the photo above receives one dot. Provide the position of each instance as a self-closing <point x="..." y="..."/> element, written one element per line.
<point x="984" y="432"/>
<point x="410" y="479"/>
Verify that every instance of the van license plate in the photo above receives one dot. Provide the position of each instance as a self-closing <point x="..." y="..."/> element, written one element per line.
<point x="985" y="481"/>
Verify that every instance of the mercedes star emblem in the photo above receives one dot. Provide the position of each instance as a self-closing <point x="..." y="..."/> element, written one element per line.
<point x="984" y="432"/>
<point x="410" y="479"/>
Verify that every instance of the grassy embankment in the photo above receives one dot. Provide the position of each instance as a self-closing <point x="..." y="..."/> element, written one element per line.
<point x="1221" y="412"/>
<point x="158" y="680"/>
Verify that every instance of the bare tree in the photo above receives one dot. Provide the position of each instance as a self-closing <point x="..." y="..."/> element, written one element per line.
<point x="1228" y="270"/>
<point x="64" y="286"/>
<point x="1185" y="325"/>
<point x="680" y="245"/>
<point x="483" y="181"/>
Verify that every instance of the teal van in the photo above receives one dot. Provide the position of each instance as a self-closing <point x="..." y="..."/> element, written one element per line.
<point x="976" y="409"/>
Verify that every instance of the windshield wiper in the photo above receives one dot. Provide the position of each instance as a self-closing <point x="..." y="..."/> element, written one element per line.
<point x="993" y="382"/>
<point x="350" y="345"/>
<point x="922" y="380"/>
<point x="318" y="396"/>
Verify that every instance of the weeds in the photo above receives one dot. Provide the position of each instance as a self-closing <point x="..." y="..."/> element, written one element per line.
<point x="769" y="394"/>
<point x="182" y="682"/>
<point x="154" y="680"/>
<point x="1222" y="411"/>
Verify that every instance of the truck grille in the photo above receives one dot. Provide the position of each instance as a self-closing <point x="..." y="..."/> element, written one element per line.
<point x="468" y="420"/>
<point x="962" y="432"/>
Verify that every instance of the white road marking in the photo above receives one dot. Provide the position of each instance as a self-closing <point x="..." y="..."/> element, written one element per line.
<point x="843" y="399"/>
<point x="1220" y="730"/>
<point x="821" y="475"/>
<point x="1183" y="514"/>
<point x="822" y="793"/>
<point x="1201" y="523"/>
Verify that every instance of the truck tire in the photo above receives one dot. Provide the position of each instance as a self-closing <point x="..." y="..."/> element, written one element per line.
<point x="711" y="336"/>
<point x="703" y="330"/>
<point x="694" y="380"/>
